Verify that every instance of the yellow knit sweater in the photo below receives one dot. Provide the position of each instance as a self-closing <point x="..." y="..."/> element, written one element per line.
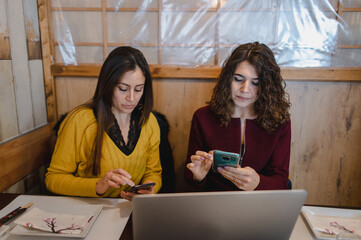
<point x="66" y="174"/>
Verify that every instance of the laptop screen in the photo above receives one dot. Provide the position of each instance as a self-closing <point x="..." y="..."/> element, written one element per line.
<point x="217" y="215"/>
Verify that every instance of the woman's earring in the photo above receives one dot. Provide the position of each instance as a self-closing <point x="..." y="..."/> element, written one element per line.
<point x="140" y="106"/>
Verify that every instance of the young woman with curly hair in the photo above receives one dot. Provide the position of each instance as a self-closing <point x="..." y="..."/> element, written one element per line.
<point x="248" y="114"/>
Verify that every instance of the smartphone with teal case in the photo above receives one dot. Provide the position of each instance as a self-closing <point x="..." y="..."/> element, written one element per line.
<point x="222" y="158"/>
<point x="140" y="187"/>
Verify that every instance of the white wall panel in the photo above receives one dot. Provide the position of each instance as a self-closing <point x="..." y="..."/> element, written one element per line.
<point x="38" y="92"/>
<point x="19" y="55"/>
<point x="8" y="116"/>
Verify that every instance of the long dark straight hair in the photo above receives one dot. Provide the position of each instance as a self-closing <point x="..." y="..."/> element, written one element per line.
<point x="119" y="61"/>
<point x="272" y="104"/>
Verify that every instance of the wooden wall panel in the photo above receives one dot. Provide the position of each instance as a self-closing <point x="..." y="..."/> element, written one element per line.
<point x="8" y="116"/>
<point x="177" y="100"/>
<point x="22" y="107"/>
<point x="22" y="83"/>
<point x="35" y="62"/>
<point x="23" y="155"/>
<point x="38" y="92"/>
<point x="48" y="58"/>
<point x="7" y="108"/>
<point x="20" y="65"/>
<point x="32" y="29"/>
<point x="72" y="92"/>
<point x="326" y="141"/>
<point x="326" y="130"/>
<point x="5" y="53"/>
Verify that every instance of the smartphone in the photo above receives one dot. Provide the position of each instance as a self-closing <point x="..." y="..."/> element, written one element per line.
<point x="221" y="159"/>
<point x="140" y="187"/>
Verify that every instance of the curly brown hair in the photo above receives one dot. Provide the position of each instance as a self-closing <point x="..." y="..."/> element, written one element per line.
<point x="272" y="104"/>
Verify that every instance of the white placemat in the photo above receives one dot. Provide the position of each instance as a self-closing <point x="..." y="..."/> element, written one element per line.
<point x="109" y="224"/>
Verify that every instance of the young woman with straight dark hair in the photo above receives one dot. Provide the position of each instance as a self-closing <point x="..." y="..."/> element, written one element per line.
<point x="111" y="143"/>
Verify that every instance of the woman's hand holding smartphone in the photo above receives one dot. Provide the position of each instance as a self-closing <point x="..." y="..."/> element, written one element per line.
<point x="146" y="188"/>
<point x="201" y="163"/>
<point x="222" y="159"/>
<point x="229" y="166"/>
<point x="114" y="178"/>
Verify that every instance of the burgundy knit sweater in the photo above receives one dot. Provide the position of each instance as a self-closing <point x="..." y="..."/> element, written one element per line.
<point x="267" y="153"/>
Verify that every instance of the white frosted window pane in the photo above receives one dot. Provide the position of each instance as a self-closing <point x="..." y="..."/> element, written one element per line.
<point x="182" y="4"/>
<point x="131" y="27"/>
<point x="353" y="34"/>
<point x="234" y="29"/>
<point x="303" y="57"/>
<point x="74" y="26"/>
<point x="247" y="5"/>
<point x="295" y="30"/>
<point x="188" y="56"/>
<point x="348" y="57"/>
<point x="76" y="3"/>
<point x="83" y="54"/>
<point x="299" y="30"/>
<point x="132" y="4"/>
<point x="308" y="4"/>
<point x="150" y="53"/>
<point x="351" y="3"/>
<point x="223" y="54"/>
<point x="193" y="28"/>
<point x="334" y="3"/>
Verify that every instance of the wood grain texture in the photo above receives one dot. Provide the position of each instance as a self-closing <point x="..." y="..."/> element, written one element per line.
<point x="32" y="29"/>
<point x="47" y="60"/>
<point x="34" y="50"/>
<point x="326" y="141"/>
<point x="72" y="92"/>
<point x="177" y="100"/>
<point x="5" y="53"/>
<point x="20" y="66"/>
<point x="212" y="72"/>
<point x="23" y="155"/>
<point x="326" y="130"/>
<point x="8" y="115"/>
<point x="38" y="92"/>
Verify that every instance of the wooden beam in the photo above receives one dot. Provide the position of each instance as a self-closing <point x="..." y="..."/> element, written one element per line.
<point x="23" y="155"/>
<point x="81" y="70"/>
<point x="349" y="46"/>
<point x="46" y="51"/>
<point x="98" y="9"/>
<point x="351" y="9"/>
<point x="322" y="74"/>
<point x="203" y="72"/>
<point x="212" y="72"/>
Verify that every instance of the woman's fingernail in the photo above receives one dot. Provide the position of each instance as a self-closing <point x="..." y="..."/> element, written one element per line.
<point x="209" y="155"/>
<point x="226" y="167"/>
<point x="219" y="169"/>
<point x="201" y="158"/>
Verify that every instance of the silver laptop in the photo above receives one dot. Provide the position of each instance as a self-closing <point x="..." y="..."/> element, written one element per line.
<point x="217" y="215"/>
